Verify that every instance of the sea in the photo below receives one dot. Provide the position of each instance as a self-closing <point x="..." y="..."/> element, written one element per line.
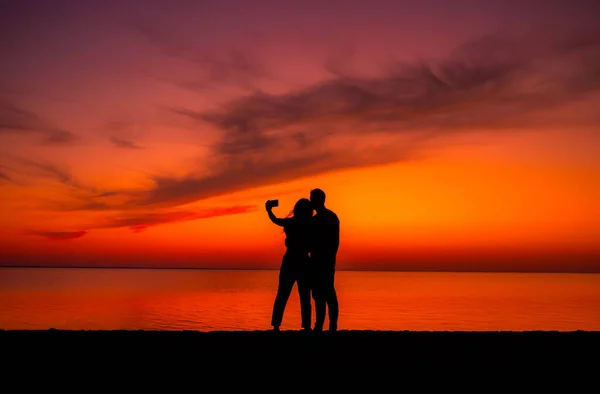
<point x="242" y="300"/>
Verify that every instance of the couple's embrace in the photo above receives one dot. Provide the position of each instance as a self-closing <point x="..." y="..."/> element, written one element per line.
<point x="312" y="243"/>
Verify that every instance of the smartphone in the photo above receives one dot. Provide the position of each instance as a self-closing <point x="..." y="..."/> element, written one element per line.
<point x="273" y="203"/>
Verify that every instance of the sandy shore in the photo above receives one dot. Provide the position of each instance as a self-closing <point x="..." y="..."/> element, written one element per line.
<point x="363" y="352"/>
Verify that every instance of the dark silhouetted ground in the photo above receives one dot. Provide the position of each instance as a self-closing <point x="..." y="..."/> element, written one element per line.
<point x="341" y="359"/>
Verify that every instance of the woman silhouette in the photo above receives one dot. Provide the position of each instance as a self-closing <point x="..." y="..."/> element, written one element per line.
<point x="295" y="262"/>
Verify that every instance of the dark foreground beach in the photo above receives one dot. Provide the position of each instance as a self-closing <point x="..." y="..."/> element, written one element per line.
<point x="346" y="355"/>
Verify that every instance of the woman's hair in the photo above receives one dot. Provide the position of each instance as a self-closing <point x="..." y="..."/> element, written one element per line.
<point x="302" y="209"/>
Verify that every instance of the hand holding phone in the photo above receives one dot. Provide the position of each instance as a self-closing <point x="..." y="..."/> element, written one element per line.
<point x="272" y="203"/>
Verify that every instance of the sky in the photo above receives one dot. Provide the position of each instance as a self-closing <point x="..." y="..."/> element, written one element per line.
<point x="448" y="135"/>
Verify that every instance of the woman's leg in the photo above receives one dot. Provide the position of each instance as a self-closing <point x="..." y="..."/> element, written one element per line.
<point x="305" y="302"/>
<point x="286" y="283"/>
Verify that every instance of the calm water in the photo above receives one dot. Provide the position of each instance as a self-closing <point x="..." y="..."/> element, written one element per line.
<point x="242" y="300"/>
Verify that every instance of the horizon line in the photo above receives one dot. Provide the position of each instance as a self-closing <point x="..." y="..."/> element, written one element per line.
<point x="277" y="269"/>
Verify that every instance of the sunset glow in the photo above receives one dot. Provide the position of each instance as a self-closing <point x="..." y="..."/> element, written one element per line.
<point x="447" y="136"/>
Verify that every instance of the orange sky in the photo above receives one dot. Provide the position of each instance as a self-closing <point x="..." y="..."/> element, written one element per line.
<point x="159" y="150"/>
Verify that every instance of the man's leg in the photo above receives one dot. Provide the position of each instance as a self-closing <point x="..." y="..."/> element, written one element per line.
<point x="332" y="302"/>
<point x="334" y="311"/>
<point x="286" y="283"/>
<point x="320" y="303"/>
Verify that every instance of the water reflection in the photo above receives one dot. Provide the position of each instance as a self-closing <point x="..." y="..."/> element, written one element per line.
<point x="242" y="300"/>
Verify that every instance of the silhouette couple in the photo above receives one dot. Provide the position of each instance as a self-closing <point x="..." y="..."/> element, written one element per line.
<point x="312" y="243"/>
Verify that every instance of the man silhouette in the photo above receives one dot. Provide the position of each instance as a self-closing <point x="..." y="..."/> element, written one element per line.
<point x="325" y="244"/>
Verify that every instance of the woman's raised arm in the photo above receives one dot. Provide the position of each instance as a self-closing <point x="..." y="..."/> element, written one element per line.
<point x="274" y="219"/>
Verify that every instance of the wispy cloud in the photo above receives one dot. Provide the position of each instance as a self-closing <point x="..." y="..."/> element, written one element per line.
<point x="77" y="194"/>
<point x="59" y="235"/>
<point x="210" y="69"/>
<point x="119" y="210"/>
<point x="138" y="221"/>
<point x="141" y="221"/>
<point x="5" y="177"/>
<point x="491" y="82"/>
<point x="15" y="120"/>
<point x="8" y="175"/>
<point x="123" y="143"/>
<point x="51" y="171"/>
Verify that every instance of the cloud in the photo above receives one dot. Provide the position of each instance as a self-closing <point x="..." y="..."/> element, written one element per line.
<point x="15" y="120"/>
<point x="59" y="235"/>
<point x="4" y="171"/>
<point x="122" y="143"/>
<point x="141" y="221"/>
<point x="84" y="197"/>
<point x="79" y="195"/>
<point x="493" y="84"/>
<point x="246" y="175"/>
<point x="138" y="222"/>
<point x="8" y="175"/>
<point x="209" y="68"/>
<point x="494" y="81"/>
<point x="5" y="177"/>
<point x="339" y="60"/>
<point x="51" y="171"/>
